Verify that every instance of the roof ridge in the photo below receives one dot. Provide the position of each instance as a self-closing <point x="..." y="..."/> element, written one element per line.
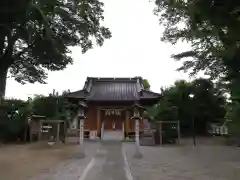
<point x="115" y="78"/>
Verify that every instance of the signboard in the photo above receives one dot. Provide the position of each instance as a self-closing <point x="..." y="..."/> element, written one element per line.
<point x="112" y="112"/>
<point x="46" y="128"/>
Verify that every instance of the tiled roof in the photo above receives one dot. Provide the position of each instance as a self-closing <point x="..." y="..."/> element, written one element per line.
<point x="114" y="89"/>
<point x="147" y="94"/>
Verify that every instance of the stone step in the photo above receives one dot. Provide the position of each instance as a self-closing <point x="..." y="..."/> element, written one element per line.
<point x="146" y="141"/>
<point x="112" y="135"/>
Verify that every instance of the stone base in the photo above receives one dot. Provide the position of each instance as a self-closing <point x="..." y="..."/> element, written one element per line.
<point x="81" y="153"/>
<point x="137" y="154"/>
<point x="147" y="141"/>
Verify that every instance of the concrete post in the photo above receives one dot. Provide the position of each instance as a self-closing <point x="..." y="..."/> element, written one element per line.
<point x="102" y="131"/>
<point x="137" y="153"/>
<point x="81" y="153"/>
<point x="81" y="138"/>
<point x="137" y="131"/>
<point x="123" y="130"/>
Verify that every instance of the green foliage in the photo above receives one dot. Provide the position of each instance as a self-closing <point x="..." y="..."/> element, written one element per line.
<point x="210" y="26"/>
<point x="206" y="106"/>
<point x="13" y="115"/>
<point x="146" y="84"/>
<point x="212" y="29"/>
<point x="35" y="36"/>
<point x="232" y="115"/>
<point x="55" y="103"/>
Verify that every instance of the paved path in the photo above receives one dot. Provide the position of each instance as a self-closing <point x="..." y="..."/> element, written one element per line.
<point x="204" y="162"/>
<point x="108" y="164"/>
<point x="103" y="161"/>
<point x="107" y="160"/>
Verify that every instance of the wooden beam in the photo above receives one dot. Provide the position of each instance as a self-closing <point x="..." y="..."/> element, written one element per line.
<point x="160" y="122"/>
<point x="98" y="119"/>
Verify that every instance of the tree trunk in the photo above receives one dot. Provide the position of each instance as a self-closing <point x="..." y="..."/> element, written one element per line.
<point x="3" y="80"/>
<point x="3" y="67"/>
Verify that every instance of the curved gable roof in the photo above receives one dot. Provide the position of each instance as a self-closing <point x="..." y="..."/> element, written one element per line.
<point x="114" y="89"/>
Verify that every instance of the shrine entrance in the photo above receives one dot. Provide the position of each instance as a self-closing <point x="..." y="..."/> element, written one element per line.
<point x="109" y="106"/>
<point x="112" y="124"/>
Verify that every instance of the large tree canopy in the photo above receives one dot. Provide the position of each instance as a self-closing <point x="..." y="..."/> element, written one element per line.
<point x="211" y="27"/>
<point x="35" y="35"/>
<point x="205" y="107"/>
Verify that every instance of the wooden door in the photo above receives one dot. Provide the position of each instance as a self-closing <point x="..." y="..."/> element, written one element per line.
<point x="112" y="123"/>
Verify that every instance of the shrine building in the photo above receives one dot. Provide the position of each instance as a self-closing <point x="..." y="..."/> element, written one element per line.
<point x="109" y="102"/>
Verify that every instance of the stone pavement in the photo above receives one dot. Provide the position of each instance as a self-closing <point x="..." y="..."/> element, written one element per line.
<point x="103" y="161"/>
<point x="109" y="163"/>
<point x="204" y="162"/>
<point x="109" y="160"/>
<point x="73" y="167"/>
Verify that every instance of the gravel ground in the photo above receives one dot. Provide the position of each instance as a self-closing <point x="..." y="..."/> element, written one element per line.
<point x="204" y="162"/>
<point x="41" y="162"/>
<point x="103" y="161"/>
<point x="107" y="161"/>
<point x="73" y="166"/>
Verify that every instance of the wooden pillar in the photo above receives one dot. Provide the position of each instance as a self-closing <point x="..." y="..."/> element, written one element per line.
<point x="78" y="131"/>
<point x="179" y="132"/>
<point x="98" y="120"/>
<point x="65" y="132"/>
<point x="58" y="132"/>
<point x="127" y="122"/>
<point x="160" y="129"/>
<point x="40" y="130"/>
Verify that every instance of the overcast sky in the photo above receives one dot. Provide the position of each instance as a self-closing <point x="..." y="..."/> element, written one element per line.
<point x="135" y="49"/>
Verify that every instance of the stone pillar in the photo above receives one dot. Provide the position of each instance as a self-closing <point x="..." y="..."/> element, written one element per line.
<point x="137" y="132"/>
<point x="123" y="130"/>
<point x="81" y="118"/>
<point x="81" y="134"/>
<point x="136" y="117"/>
<point x="102" y="130"/>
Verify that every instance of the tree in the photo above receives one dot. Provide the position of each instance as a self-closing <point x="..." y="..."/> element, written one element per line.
<point x="13" y="119"/>
<point x="175" y="104"/>
<point x="35" y="36"/>
<point x="146" y="84"/>
<point x="14" y="113"/>
<point x="211" y="27"/>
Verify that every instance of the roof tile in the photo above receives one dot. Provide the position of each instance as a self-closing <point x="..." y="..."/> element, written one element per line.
<point x="113" y="89"/>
